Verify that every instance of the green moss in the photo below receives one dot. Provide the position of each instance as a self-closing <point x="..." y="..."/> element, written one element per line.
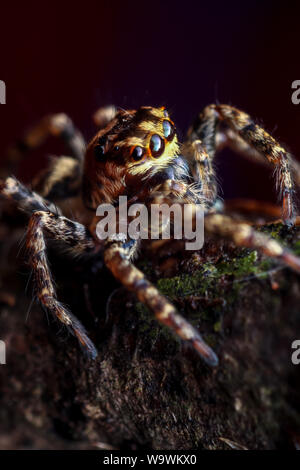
<point x="209" y="275"/>
<point x="218" y="326"/>
<point x="296" y="248"/>
<point x="287" y="237"/>
<point x="219" y="284"/>
<point x="221" y="281"/>
<point x="273" y="230"/>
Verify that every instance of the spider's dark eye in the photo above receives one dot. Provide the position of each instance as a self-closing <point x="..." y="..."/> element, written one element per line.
<point x="169" y="131"/>
<point x="137" y="153"/>
<point x="99" y="149"/>
<point x="157" y="145"/>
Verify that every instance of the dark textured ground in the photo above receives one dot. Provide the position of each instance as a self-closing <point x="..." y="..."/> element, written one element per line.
<point x="146" y="390"/>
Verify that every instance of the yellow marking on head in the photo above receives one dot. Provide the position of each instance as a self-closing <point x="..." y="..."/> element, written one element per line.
<point x="131" y="142"/>
<point x="148" y="163"/>
<point x="151" y="127"/>
<point x="158" y="112"/>
<point x="140" y="134"/>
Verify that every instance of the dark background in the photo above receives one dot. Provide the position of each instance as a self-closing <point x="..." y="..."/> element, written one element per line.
<point x="184" y="55"/>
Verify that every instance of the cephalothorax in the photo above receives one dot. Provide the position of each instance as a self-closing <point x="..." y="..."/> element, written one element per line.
<point x="137" y="154"/>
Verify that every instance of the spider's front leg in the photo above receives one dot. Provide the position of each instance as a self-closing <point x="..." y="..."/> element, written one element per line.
<point x="73" y="237"/>
<point x="240" y="128"/>
<point x="117" y="258"/>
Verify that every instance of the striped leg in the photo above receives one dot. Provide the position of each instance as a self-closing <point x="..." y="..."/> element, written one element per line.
<point x="28" y="201"/>
<point x="57" y="125"/>
<point x="117" y="259"/>
<point x="73" y="237"/>
<point x="232" y="140"/>
<point x="207" y="129"/>
<point x="62" y="178"/>
<point x="243" y="234"/>
<point x="202" y="169"/>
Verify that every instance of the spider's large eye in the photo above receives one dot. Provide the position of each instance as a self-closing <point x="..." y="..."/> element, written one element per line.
<point x="157" y="145"/>
<point x="99" y="149"/>
<point x="169" y="130"/>
<point x="137" y="153"/>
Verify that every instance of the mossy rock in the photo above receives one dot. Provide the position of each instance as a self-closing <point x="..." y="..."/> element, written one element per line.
<point x="146" y="389"/>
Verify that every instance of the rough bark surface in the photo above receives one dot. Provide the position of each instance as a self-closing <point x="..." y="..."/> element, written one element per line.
<point x="146" y="390"/>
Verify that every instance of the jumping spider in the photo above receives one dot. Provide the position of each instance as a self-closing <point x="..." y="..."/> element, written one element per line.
<point x="136" y="153"/>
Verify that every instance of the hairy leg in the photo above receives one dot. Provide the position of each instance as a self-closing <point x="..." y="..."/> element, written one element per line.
<point x="231" y="139"/>
<point x="104" y="115"/>
<point x="202" y="169"/>
<point x="57" y="125"/>
<point x="117" y="258"/>
<point x="243" y="234"/>
<point x="207" y="128"/>
<point x="72" y="237"/>
<point x="25" y="199"/>
<point x="62" y="178"/>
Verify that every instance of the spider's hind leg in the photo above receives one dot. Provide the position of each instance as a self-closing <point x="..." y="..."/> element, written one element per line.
<point x="62" y="178"/>
<point x="243" y="234"/>
<point x="56" y="125"/>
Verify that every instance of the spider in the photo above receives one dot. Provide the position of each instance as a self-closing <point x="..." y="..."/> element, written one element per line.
<point x="137" y="153"/>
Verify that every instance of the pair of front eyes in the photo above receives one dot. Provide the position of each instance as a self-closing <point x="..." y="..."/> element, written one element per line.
<point x="156" y="145"/>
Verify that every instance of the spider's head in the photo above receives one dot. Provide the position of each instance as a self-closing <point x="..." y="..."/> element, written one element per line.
<point x="134" y="146"/>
